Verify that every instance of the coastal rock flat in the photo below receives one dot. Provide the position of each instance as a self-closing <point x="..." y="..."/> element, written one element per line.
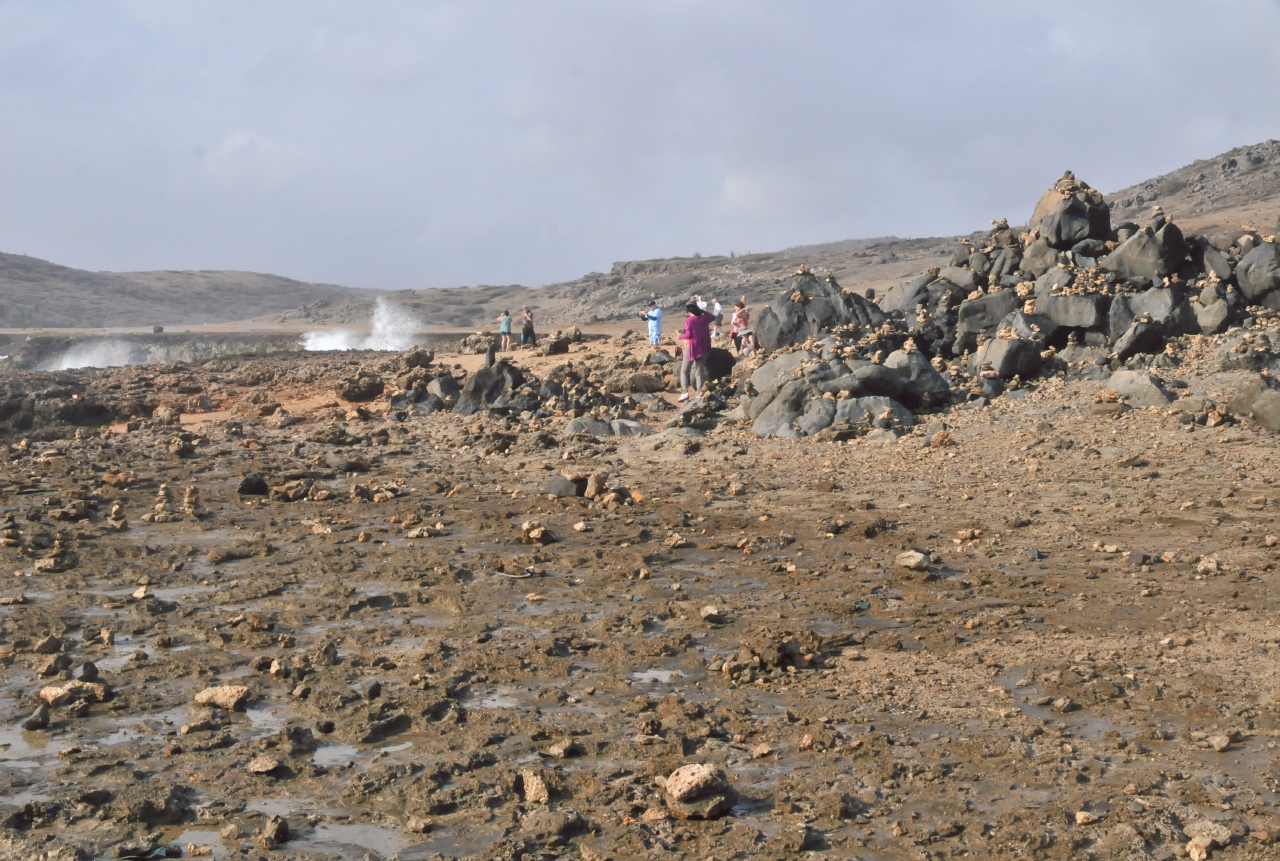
<point x="432" y="634"/>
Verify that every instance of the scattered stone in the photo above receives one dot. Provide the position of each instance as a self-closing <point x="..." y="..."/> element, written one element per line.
<point x="39" y="719"/>
<point x="226" y="697"/>
<point x="534" y="787"/>
<point x="912" y="560"/>
<point x="263" y="764"/>
<point x="700" y="791"/>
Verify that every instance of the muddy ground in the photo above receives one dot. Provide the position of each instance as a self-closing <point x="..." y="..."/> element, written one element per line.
<point x="1086" y="667"/>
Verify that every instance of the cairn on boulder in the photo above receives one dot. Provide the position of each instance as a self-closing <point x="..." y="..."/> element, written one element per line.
<point x="191" y="501"/>
<point x="60" y="557"/>
<point x="162" y="511"/>
<point x="116" y="519"/>
<point x="9" y="534"/>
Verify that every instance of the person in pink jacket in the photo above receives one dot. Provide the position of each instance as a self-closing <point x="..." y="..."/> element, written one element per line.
<point x="697" y="346"/>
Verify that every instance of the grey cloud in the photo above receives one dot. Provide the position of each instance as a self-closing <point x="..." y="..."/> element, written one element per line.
<point x="405" y="144"/>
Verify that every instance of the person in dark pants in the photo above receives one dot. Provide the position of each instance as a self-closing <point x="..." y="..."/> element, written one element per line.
<point x="527" y="335"/>
<point x="697" y="346"/>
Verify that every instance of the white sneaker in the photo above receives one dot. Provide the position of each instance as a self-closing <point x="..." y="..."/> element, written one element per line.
<point x="682" y="398"/>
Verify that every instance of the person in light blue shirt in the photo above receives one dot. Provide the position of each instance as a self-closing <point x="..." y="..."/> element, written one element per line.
<point x="504" y="329"/>
<point x="654" y="316"/>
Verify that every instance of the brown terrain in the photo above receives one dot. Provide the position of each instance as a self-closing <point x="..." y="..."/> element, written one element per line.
<point x="400" y="605"/>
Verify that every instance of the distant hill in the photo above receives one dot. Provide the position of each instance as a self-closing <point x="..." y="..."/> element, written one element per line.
<point x="37" y="293"/>
<point x="1218" y="193"/>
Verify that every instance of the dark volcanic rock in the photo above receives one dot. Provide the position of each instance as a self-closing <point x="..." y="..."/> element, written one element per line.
<point x="364" y="386"/>
<point x="253" y="485"/>
<point x="486" y="386"/>
<point x="1258" y="273"/>
<point x="808" y="307"/>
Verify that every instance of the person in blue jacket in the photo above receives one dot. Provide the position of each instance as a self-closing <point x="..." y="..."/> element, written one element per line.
<point x="654" y="316"/>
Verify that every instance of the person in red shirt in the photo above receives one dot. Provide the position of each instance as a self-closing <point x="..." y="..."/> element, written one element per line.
<point x="697" y="346"/>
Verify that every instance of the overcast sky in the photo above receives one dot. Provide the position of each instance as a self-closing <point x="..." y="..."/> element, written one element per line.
<point x="418" y="144"/>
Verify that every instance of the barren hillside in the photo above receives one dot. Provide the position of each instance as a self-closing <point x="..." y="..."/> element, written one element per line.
<point x="36" y="293"/>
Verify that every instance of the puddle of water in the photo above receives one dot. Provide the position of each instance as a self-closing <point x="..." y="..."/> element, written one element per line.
<point x="131" y="728"/>
<point x="21" y="798"/>
<point x="286" y="807"/>
<point x="343" y="839"/>
<point x="433" y="620"/>
<point x="452" y="842"/>
<point x="266" y="719"/>
<point x="21" y="749"/>
<point x="496" y="698"/>
<point x="335" y="754"/>
<point x="338" y="754"/>
<point x="212" y="839"/>
<point x="659" y="676"/>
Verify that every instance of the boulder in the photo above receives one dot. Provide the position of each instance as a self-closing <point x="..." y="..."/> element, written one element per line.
<point x="1139" y="389"/>
<point x="720" y="363"/>
<point x="1241" y="401"/>
<point x="1082" y="214"/>
<point x="644" y="383"/>
<point x="981" y="316"/>
<point x="1039" y="258"/>
<point x="484" y="387"/>
<point x="870" y="409"/>
<point x="1078" y="311"/>
<point x="1008" y="356"/>
<point x="1138" y="258"/>
<point x="1006" y="264"/>
<point x="769" y="378"/>
<point x="776" y="417"/>
<point x="559" y="486"/>
<point x="965" y="279"/>
<point x="627" y="427"/>
<point x="1213" y="318"/>
<point x="253" y="485"/>
<point x="1036" y="327"/>
<point x="365" y="386"/>
<point x="1214" y="262"/>
<point x="818" y="414"/>
<point x="428" y="405"/>
<point x="1258" y="273"/>
<point x="871" y="379"/>
<point x="905" y="297"/>
<point x="1173" y="246"/>
<point x="1266" y="410"/>
<point x="588" y="425"/>
<point x="808" y="307"/>
<point x="228" y="697"/>
<point x="1056" y="278"/>
<point x="924" y="385"/>
<point x="1140" y="338"/>
<point x="700" y="791"/>
<point x="444" y="387"/>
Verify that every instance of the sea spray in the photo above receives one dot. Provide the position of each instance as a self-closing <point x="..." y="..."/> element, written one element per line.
<point x="392" y="328"/>
<point x="97" y="354"/>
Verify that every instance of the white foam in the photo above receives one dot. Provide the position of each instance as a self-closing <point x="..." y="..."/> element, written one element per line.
<point x="392" y="328"/>
<point x="96" y="354"/>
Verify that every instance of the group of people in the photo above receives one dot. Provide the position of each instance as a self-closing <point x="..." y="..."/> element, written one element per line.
<point x="527" y="335"/>
<point x="702" y="325"/>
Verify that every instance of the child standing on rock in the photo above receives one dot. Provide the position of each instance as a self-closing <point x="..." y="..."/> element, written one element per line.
<point x="697" y="346"/>
<point x="654" y="316"/>
<point x="741" y="333"/>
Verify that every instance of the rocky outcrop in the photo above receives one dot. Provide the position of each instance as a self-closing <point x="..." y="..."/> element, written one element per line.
<point x="809" y="307"/>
